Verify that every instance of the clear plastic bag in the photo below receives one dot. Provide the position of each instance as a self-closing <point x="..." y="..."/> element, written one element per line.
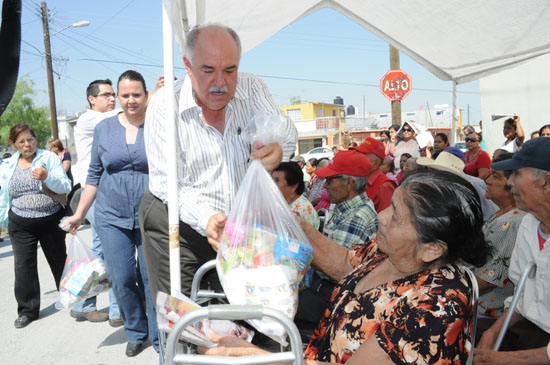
<point x="83" y="277"/>
<point x="263" y="252"/>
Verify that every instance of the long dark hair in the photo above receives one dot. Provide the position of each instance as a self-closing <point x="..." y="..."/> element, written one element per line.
<point x="456" y="219"/>
<point x="132" y="76"/>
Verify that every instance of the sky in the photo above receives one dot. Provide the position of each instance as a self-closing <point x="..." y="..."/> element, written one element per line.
<point x="316" y="58"/>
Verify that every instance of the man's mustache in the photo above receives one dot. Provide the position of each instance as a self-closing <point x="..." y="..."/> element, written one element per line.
<point x="218" y="90"/>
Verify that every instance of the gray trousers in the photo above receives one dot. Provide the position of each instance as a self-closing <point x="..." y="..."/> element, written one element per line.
<point x="194" y="249"/>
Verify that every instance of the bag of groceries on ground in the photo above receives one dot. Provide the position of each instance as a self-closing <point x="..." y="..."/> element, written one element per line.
<point x="263" y="252"/>
<point x="83" y="276"/>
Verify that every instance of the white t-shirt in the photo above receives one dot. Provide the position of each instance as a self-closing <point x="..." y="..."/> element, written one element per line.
<point x="512" y="146"/>
<point x="83" y="138"/>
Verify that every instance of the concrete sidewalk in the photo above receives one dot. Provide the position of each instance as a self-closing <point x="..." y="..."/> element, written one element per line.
<point x="56" y="338"/>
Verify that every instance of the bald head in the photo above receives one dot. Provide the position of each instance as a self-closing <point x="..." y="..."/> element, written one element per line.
<point x="210" y="30"/>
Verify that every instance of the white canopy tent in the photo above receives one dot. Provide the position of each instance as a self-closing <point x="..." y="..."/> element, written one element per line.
<point x="456" y="40"/>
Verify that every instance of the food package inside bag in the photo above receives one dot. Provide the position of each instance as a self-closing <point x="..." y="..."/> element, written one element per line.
<point x="83" y="276"/>
<point x="264" y="252"/>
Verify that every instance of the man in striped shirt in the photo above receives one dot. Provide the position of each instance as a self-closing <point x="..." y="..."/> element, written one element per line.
<point x="215" y="103"/>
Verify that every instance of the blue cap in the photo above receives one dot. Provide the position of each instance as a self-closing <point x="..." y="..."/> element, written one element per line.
<point x="456" y="151"/>
<point x="533" y="153"/>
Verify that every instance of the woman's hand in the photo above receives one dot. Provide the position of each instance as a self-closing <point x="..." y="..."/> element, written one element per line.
<point x="40" y="173"/>
<point x="231" y="346"/>
<point x="74" y="222"/>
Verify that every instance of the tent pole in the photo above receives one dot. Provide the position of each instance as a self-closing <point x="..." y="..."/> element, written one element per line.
<point x="171" y="136"/>
<point x="454" y="120"/>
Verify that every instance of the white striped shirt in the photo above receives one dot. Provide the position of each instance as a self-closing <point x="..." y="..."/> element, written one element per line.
<point x="210" y="165"/>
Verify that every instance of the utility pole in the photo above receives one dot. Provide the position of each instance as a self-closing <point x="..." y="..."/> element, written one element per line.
<point x="396" y="104"/>
<point x="47" y="49"/>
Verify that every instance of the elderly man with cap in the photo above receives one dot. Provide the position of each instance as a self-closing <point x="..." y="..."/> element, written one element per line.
<point x="527" y="338"/>
<point x="354" y="221"/>
<point x="380" y="188"/>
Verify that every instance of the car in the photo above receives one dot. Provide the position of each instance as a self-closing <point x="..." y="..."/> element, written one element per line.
<point x="461" y="146"/>
<point x="318" y="153"/>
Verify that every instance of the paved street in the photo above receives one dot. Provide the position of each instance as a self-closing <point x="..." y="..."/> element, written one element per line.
<point x="56" y="338"/>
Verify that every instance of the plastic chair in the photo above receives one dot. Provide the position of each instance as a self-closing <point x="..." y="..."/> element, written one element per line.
<point x="234" y="312"/>
<point x="529" y="271"/>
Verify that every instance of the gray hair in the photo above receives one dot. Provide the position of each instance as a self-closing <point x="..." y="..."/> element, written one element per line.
<point x="538" y="173"/>
<point x="360" y="182"/>
<point x="191" y="38"/>
<point x="323" y="163"/>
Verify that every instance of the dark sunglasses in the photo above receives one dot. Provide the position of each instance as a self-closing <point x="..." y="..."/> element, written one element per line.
<point x="407" y="130"/>
<point x="471" y="140"/>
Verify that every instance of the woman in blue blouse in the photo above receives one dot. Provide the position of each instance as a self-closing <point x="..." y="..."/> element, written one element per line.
<point x="117" y="179"/>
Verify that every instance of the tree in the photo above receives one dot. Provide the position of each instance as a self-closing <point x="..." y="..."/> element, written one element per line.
<point x="295" y="100"/>
<point x="22" y="110"/>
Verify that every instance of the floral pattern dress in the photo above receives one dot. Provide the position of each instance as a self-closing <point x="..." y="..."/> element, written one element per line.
<point x="424" y="318"/>
<point x="501" y="232"/>
<point x="303" y="207"/>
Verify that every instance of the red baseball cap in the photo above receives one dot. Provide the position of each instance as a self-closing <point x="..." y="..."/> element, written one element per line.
<point x="348" y="163"/>
<point x="372" y="145"/>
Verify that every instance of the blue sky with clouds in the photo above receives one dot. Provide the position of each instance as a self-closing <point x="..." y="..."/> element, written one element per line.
<point x="317" y="58"/>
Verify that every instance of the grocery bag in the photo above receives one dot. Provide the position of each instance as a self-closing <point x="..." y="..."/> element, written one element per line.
<point x="264" y="252"/>
<point x="83" y="275"/>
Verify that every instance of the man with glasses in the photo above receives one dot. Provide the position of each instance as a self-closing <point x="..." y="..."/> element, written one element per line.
<point x="102" y="100"/>
<point x="354" y="221"/>
<point x="407" y="144"/>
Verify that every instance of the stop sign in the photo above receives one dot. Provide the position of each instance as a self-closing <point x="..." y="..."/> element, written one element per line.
<point x="395" y="85"/>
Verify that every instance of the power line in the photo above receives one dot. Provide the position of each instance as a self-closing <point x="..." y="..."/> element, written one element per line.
<point x="280" y="77"/>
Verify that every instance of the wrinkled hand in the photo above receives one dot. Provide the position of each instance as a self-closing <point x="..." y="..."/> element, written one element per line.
<point x="74" y="222"/>
<point x="230" y="346"/>
<point x="486" y="357"/>
<point x="40" y="173"/>
<point x="214" y="229"/>
<point x="487" y="340"/>
<point x="270" y="155"/>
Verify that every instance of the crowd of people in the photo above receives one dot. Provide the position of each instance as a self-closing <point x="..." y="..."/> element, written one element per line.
<point x="395" y="229"/>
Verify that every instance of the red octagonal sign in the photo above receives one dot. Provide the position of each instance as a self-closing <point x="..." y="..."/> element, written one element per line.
<point x="396" y="85"/>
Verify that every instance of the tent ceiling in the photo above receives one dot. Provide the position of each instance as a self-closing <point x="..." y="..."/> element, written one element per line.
<point x="454" y="39"/>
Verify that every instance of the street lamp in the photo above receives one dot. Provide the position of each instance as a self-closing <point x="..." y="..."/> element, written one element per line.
<point x="47" y="48"/>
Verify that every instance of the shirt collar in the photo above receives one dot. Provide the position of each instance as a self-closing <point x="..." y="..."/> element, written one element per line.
<point x="373" y="176"/>
<point x="352" y="203"/>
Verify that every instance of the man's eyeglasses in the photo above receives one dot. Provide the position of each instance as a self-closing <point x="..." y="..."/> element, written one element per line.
<point x="107" y="95"/>
<point x="471" y="140"/>
<point x="407" y="130"/>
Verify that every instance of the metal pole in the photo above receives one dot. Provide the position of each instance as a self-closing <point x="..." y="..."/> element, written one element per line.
<point x="454" y="119"/>
<point x="172" y="173"/>
<point x="396" y="104"/>
<point x="47" y="49"/>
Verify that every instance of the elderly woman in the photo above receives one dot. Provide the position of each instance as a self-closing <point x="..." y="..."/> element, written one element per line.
<point x="117" y="179"/>
<point x="29" y="180"/>
<point x="56" y="146"/>
<point x="290" y="180"/>
<point x="501" y="231"/>
<point x="513" y="132"/>
<point x="403" y="298"/>
<point x="476" y="160"/>
<point x="388" y="168"/>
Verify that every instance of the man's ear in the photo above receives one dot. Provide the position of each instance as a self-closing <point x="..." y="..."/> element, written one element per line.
<point x="432" y="251"/>
<point x="546" y="182"/>
<point x="187" y="64"/>
<point x="91" y="100"/>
